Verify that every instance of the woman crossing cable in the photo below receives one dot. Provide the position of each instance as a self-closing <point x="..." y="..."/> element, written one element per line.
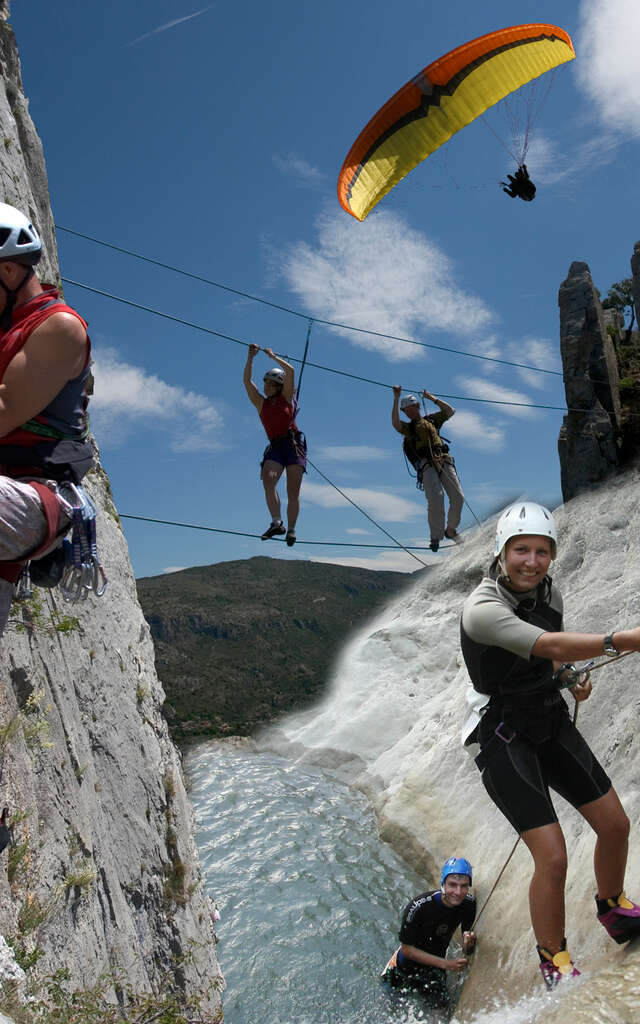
<point x="287" y="448"/>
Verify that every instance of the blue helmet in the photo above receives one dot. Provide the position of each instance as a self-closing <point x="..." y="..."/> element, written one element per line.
<point x="456" y="866"/>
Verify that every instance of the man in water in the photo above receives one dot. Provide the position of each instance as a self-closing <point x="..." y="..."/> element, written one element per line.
<point x="428" y="924"/>
<point x="430" y="455"/>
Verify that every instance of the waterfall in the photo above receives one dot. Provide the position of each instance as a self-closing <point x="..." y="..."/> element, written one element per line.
<point x="391" y="722"/>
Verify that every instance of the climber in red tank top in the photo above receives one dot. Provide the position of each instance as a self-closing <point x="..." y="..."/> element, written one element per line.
<point x="287" y="448"/>
<point x="44" y="368"/>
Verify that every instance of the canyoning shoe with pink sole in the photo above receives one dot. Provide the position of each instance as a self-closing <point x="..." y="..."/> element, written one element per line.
<point x="620" y="917"/>
<point x="557" y="967"/>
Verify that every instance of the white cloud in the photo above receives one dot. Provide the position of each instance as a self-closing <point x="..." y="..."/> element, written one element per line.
<point x="359" y="533"/>
<point x="168" y="25"/>
<point x="295" y="167"/>
<point x="537" y="352"/>
<point x="378" y="504"/>
<point x="391" y="561"/>
<point x="352" y="453"/>
<point x="479" y="387"/>
<point x="550" y="164"/>
<point x="381" y="275"/>
<point x="607" y="68"/>
<point x="125" y="394"/>
<point x="475" y="432"/>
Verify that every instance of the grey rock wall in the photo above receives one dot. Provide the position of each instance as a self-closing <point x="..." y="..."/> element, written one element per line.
<point x="103" y="871"/>
<point x="588" y="440"/>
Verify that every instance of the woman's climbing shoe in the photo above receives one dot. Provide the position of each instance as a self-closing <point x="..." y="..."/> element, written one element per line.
<point x="620" y="917"/>
<point x="291" y="538"/>
<point x="434" y="544"/>
<point x="275" y="530"/>
<point x="557" y="967"/>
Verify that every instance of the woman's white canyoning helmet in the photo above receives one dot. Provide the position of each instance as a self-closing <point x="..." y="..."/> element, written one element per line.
<point x="19" y="240"/>
<point x="408" y="401"/>
<point x="525" y="517"/>
<point x="275" y="374"/>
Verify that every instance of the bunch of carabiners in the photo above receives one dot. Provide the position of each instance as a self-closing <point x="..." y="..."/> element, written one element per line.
<point x="83" y="572"/>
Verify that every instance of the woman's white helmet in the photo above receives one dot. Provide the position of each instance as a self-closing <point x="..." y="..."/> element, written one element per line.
<point x="275" y="374"/>
<point x="525" y="517"/>
<point x="19" y="240"/>
<point x="408" y="401"/>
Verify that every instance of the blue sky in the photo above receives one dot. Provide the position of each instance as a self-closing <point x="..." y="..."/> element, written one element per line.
<point x="209" y="137"/>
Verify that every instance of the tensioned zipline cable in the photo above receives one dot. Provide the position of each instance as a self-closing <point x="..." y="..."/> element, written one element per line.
<point x="365" y="514"/>
<point x="295" y="312"/>
<point x="256" y="536"/>
<point x="316" y="366"/>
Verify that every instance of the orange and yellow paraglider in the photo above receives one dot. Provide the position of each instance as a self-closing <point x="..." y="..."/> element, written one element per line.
<point x="438" y="102"/>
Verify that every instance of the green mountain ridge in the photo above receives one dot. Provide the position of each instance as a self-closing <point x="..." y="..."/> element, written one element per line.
<point x="240" y="643"/>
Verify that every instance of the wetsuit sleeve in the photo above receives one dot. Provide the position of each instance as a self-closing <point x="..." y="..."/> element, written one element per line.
<point x="404" y="428"/>
<point x="489" y="621"/>
<point x="409" y="933"/>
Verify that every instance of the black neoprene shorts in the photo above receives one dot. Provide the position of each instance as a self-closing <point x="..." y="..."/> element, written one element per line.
<point x="519" y="775"/>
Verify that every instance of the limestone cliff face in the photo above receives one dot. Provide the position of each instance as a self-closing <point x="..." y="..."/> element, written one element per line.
<point x="393" y="719"/>
<point x="587" y="445"/>
<point x="103" y="870"/>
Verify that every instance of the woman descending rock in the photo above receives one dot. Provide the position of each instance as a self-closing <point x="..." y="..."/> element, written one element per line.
<point x="428" y="924"/>
<point x="517" y="653"/>
<point x="287" y="448"/>
<point x="5" y="832"/>
<point x="429" y="454"/>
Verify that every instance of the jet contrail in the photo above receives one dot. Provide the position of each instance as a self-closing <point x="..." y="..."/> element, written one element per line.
<point x="169" y="24"/>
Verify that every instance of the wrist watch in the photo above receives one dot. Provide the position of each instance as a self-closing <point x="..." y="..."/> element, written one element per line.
<point x="609" y="647"/>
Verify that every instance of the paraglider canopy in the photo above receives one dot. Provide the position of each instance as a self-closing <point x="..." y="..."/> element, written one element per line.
<point x="443" y="98"/>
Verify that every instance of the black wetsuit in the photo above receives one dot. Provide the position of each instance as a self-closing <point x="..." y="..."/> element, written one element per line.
<point x="536" y="746"/>
<point x="429" y="925"/>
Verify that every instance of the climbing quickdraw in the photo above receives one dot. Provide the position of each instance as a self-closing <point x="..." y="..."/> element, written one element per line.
<point x="83" y="572"/>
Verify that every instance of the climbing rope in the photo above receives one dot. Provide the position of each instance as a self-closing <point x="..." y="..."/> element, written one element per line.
<point x="304" y="359"/>
<point x="286" y="309"/>
<point x="344" y="373"/>
<point x="366" y="514"/>
<point x="281" y="540"/>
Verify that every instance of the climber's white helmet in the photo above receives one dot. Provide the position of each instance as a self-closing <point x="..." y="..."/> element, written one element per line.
<point x="19" y="240"/>
<point x="275" y="374"/>
<point x="525" y="517"/>
<point x="408" y="401"/>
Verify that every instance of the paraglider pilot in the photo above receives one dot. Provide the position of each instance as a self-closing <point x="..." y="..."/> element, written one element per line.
<point x="520" y="184"/>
